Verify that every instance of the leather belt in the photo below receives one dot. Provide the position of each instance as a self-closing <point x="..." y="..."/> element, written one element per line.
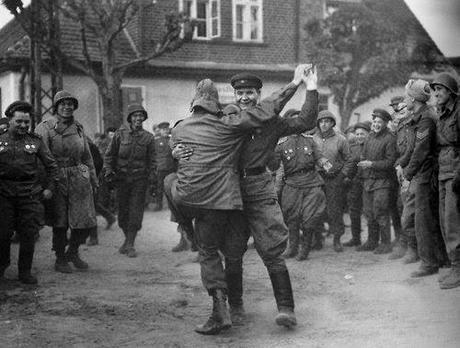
<point x="252" y="171"/>
<point x="300" y="171"/>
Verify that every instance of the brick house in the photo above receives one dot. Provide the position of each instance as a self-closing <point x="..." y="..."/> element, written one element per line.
<point x="261" y="36"/>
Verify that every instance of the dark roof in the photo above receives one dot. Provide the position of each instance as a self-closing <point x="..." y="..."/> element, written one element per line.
<point x="14" y="42"/>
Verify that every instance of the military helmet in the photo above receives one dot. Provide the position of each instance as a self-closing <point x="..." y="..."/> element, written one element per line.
<point x="446" y="80"/>
<point x="136" y="108"/>
<point x="62" y="95"/>
<point x="326" y="114"/>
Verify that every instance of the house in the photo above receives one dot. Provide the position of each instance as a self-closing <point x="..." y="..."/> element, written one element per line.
<point x="261" y="36"/>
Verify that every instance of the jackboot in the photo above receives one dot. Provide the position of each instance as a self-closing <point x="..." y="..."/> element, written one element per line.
<point x="282" y="290"/>
<point x="424" y="271"/>
<point x="337" y="244"/>
<point x="5" y="247"/>
<point x="220" y="316"/>
<point x="305" y="245"/>
<point x="93" y="239"/>
<point x="368" y="246"/>
<point x="124" y="246"/>
<point x="59" y="244"/>
<point x="130" y="250"/>
<point x="183" y="243"/>
<point x="235" y="297"/>
<point x="26" y="255"/>
<point x="293" y="247"/>
<point x="355" y="232"/>
<point x="73" y="257"/>
<point x="383" y="248"/>
<point x="399" y="250"/>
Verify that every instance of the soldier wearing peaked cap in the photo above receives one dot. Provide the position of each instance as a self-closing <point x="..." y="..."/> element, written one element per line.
<point x="20" y="189"/>
<point x="420" y="171"/>
<point x="130" y="164"/>
<point x="448" y="142"/>
<point x="72" y="206"/>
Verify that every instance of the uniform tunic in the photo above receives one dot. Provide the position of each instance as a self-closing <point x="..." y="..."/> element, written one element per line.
<point x="73" y="204"/>
<point x="20" y="191"/>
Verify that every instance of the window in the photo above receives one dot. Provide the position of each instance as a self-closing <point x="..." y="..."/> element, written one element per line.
<point x="247" y="20"/>
<point x="206" y="13"/>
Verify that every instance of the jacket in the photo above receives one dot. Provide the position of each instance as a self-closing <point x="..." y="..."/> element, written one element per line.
<point x="131" y="155"/>
<point x="405" y="141"/>
<point x="423" y="159"/>
<point x="20" y="171"/>
<point x="448" y="139"/>
<point x="336" y="149"/>
<point x="210" y="177"/>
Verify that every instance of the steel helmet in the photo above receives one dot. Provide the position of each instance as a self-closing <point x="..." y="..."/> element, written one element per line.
<point x="446" y="80"/>
<point x="62" y="95"/>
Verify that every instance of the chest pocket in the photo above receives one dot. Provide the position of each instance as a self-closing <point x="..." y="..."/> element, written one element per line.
<point x="125" y="148"/>
<point x="288" y="154"/>
<point x="140" y="148"/>
<point x="450" y="130"/>
<point x="30" y="153"/>
<point x="307" y="156"/>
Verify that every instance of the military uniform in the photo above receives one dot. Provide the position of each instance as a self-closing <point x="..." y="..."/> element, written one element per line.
<point x="131" y="158"/>
<point x="72" y="205"/>
<point x="165" y="166"/>
<point x="335" y="148"/>
<point x="380" y="149"/>
<point x="302" y="198"/>
<point x="208" y="183"/>
<point x="20" y="194"/>
<point x="421" y="171"/>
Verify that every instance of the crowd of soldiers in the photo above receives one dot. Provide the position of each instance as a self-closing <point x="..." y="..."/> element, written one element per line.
<point x="241" y="171"/>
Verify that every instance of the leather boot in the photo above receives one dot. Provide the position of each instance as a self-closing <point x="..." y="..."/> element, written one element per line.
<point x="355" y="232"/>
<point x="398" y="252"/>
<point x="293" y="247"/>
<point x="383" y="248"/>
<point x="337" y="244"/>
<point x="424" y="271"/>
<point x="183" y="244"/>
<point x="305" y="245"/>
<point x="130" y="250"/>
<point x="5" y="247"/>
<point x="235" y="297"/>
<point x="73" y="257"/>
<point x="26" y="255"/>
<point x="282" y="290"/>
<point x="411" y="255"/>
<point x="124" y="246"/>
<point x="59" y="243"/>
<point x="452" y="280"/>
<point x="93" y="239"/>
<point x="220" y="316"/>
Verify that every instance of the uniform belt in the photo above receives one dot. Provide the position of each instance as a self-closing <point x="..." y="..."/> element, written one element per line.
<point x="252" y="171"/>
<point x="65" y="163"/>
<point x="300" y="171"/>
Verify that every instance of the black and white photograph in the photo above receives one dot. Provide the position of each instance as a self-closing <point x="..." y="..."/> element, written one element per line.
<point x="230" y="173"/>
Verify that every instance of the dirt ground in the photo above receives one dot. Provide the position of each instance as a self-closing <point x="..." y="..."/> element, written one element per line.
<point x="342" y="300"/>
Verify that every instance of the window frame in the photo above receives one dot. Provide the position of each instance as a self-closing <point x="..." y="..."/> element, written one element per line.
<point x="209" y="20"/>
<point x="247" y="4"/>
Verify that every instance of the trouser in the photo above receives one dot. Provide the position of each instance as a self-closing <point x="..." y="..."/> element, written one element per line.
<point x="395" y="213"/>
<point x="377" y="213"/>
<point x="23" y="215"/>
<point x="426" y="224"/>
<point x="303" y="208"/>
<point x="449" y="219"/>
<point x="161" y="175"/>
<point x="407" y="237"/>
<point x="218" y="230"/>
<point x="77" y="238"/>
<point x="131" y="199"/>
<point x="355" y="206"/>
<point x="335" y="204"/>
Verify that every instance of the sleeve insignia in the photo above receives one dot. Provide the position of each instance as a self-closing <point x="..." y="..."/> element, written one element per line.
<point x="422" y="135"/>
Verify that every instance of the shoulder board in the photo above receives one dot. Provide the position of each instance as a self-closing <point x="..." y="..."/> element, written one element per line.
<point x="305" y="135"/>
<point x="282" y="140"/>
<point x="79" y="125"/>
<point x="49" y="122"/>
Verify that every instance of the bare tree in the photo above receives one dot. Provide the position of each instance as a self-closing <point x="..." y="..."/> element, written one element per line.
<point x="106" y="22"/>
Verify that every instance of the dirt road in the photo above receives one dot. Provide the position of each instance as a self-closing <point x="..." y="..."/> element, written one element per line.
<point x="342" y="300"/>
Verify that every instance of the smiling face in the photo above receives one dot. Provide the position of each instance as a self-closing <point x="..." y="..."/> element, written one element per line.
<point x="378" y="124"/>
<point x="246" y="97"/>
<point x="137" y="118"/>
<point x="65" y="108"/>
<point x="20" y="122"/>
<point x="361" y="135"/>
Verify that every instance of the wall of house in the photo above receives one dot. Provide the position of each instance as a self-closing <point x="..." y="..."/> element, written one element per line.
<point x="9" y="86"/>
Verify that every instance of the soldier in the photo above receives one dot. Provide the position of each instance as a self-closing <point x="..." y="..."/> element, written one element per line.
<point x="218" y="208"/>
<point x="165" y="161"/>
<point x="302" y="197"/>
<point x="355" y="192"/>
<point x="448" y="142"/>
<point x="335" y="148"/>
<point x="72" y="205"/>
<point x="130" y="164"/>
<point x="420" y="171"/>
<point x="377" y="171"/>
<point x="405" y="141"/>
<point x="20" y="189"/>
